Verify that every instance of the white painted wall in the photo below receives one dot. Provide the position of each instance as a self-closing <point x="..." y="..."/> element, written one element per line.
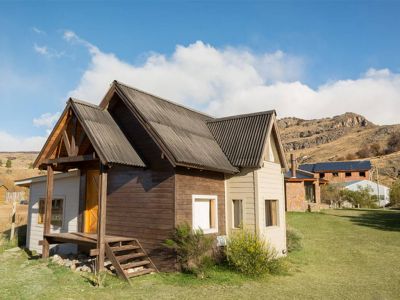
<point x="380" y="190"/>
<point x="270" y="186"/>
<point x="66" y="186"/>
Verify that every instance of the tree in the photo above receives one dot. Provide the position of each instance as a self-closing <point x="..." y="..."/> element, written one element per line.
<point x="395" y="193"/>
<point x="362" y="198"/>
<point x="8" y="163"/>
<point x="330" y="194"/>
<point x="1" y="163"/>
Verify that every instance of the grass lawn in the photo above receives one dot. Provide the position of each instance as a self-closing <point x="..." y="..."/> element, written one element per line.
<point x="347" y="254"/>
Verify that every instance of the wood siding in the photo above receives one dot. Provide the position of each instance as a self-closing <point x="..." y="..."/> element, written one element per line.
<point x="241" y="187"/>
<point x="270" y="186"/>
<point x="196" y="182"/>
<point x="140" y="202"/>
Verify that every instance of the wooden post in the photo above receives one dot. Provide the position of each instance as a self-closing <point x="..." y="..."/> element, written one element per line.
<point x="47" y="210"/>
<point x="13" y="218"/>
<point x="101" y="222"/>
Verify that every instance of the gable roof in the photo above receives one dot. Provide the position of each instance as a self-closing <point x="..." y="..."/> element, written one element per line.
<point x="106" y="137"/>
<point x="242" y="138"/>
<point x="357" y="165"/>
<point x="181" y="133"/>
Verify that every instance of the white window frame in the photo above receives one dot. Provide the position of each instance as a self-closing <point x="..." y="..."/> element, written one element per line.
<point x="206" y="197"/>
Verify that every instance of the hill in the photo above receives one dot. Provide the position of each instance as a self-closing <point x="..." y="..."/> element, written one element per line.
<point x="345" y="137"/>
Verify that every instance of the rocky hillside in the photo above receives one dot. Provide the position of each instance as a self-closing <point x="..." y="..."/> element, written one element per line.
<point x="344" y="137"/>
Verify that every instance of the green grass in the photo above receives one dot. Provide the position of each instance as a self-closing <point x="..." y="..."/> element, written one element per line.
<point x="347" y="254"/>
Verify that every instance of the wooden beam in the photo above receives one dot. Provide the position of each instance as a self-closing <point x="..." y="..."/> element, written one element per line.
<point x="79" y="158"/>
<point x="47" y="210"/>
<point x="101" y="220"/>
<point x="66" y="142"/>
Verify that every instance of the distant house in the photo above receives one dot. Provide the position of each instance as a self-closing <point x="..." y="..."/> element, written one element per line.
<point x="380" y="191"/>
<point x="302" y="189"/>
<point x="136" y="166"/>
<point x="3" y="192"/>
<point x="340" y="171"/>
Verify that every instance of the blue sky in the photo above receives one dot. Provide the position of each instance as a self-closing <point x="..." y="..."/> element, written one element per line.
<point x="304" y="58"/>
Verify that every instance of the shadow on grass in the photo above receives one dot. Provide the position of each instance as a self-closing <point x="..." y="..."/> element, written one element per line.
<point x="378" y="219"/>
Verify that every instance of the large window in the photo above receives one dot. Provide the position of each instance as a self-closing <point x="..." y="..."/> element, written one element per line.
<point x="310" y="191"/>
<point x="205" y="213"/>
<point x="237" y="213"/>
<point x="56" y="212"/>
<point x="271" y="213"/>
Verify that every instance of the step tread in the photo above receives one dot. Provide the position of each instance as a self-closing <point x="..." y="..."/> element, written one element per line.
<point x="125" y="257"/>
<point x="135" y="264"/>
<point x="138" y="273"/>
<point x="124" y="247"/>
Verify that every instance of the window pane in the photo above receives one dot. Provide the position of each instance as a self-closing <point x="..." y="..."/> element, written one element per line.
<point x="310" y="191"/>
<point x="271" y="213"/>
<point x="202" y="214"/>
<point x="237" y="213"/>
<point x="56" y="212"/>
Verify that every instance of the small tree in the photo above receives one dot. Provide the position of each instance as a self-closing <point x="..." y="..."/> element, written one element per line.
<point x="361" y="198"/>
<point x="395" y="193"/>
<point x="1" y="163"/>
<point x="8" y="163"/>
<point x="330" y="194"/>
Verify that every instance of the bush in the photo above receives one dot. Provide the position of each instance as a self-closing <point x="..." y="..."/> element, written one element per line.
<point x="393" y="144"/>
<point x="361" y="198"/>
<point x="8" y="163"/>
<point x="395" y="194"/>
<point x="192" y="247"/>
<point x="293" y="240"/>
<point x="249" y="254"/>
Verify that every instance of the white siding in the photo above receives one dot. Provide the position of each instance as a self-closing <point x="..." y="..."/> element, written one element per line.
<point x="270" y="186"/>
<point x="66" y="188"/>
<point x="241" y="187"/>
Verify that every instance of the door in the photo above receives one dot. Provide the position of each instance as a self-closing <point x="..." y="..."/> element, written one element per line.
<point x="91" y="201"/>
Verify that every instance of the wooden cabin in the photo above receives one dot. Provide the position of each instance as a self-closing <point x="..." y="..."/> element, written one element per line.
<point x="138" y="165"/>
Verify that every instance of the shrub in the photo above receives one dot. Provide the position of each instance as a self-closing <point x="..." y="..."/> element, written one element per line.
<point x="8" y="163"/>
<point x="360" y="198"/>
<point x="192" y="247"/>
<point x="395" y="193"/>
<point x="293" y="240"/>
<point x="393" y="144"/>
<point x="249" y="254"/>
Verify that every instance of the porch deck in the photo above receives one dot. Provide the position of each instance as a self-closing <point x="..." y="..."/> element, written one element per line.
<point x="82" y="238"/>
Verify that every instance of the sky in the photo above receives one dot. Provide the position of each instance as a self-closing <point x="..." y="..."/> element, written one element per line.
<point x="306" y="59"/>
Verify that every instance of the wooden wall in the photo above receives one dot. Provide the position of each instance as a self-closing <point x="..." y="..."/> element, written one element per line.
<point x="196" y="182"/>
<point x="140" y="202"/>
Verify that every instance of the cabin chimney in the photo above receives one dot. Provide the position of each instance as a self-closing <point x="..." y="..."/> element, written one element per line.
<point x="293" y="164"/>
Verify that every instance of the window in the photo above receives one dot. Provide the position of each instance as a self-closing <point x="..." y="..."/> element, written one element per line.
<point x="335" y="174"/>
<point x="321" y="175"/>
<point x="309" y="191"/>
<point x="362" y="174"/>
<point x="348" y="174"/>
<point x="237" y="213"/>
<point x="271" y="213"/>
<point x="56" y="212"/>
<point x="205" y="214"/>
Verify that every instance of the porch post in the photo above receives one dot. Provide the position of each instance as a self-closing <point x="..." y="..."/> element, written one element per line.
<point x="47" y="210"/>
<point x="101" y="222"/>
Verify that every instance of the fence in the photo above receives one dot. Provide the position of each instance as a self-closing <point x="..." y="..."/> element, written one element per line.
<point x="14" y="196"/>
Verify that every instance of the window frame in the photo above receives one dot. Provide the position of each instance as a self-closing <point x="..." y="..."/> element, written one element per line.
<point x="347" y="174"/>
<point x="335" y="174"/>
<point x="214" y="200"/>
<point x="362" y="174"/>
<point x="233" y="213"/>
<point x="277" y="213"/>
<point x="43" y="198"/>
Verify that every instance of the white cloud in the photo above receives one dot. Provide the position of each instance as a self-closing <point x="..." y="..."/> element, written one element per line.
<point x="236" y="80"/>
<point x="38" y="31"/>
<point x="46" y="120"/>
<point x="14" y="143"/>
<point x="45" y="51"/>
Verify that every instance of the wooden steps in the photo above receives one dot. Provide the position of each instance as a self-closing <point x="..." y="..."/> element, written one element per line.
<point x="134" y="258"/>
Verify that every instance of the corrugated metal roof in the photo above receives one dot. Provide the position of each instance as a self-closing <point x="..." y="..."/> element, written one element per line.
<point x="182" y="131"/>
<point x="106" y="137"/>
<point x="357" y="165"/>
<point x="300" y="174"/>
<point x="242" y="138"/>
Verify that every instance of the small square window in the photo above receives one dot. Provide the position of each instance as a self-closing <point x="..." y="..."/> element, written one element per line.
<point x="348" y="174"/>
<point x="335" y="174"/>
<point x="205" y="213"/>
<point x="56" y="212"/>
<point x="362" y="174"/>
<point x="271" y="213"/>
<point x="321" y="175"/>
<point x="237" y="213"/>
